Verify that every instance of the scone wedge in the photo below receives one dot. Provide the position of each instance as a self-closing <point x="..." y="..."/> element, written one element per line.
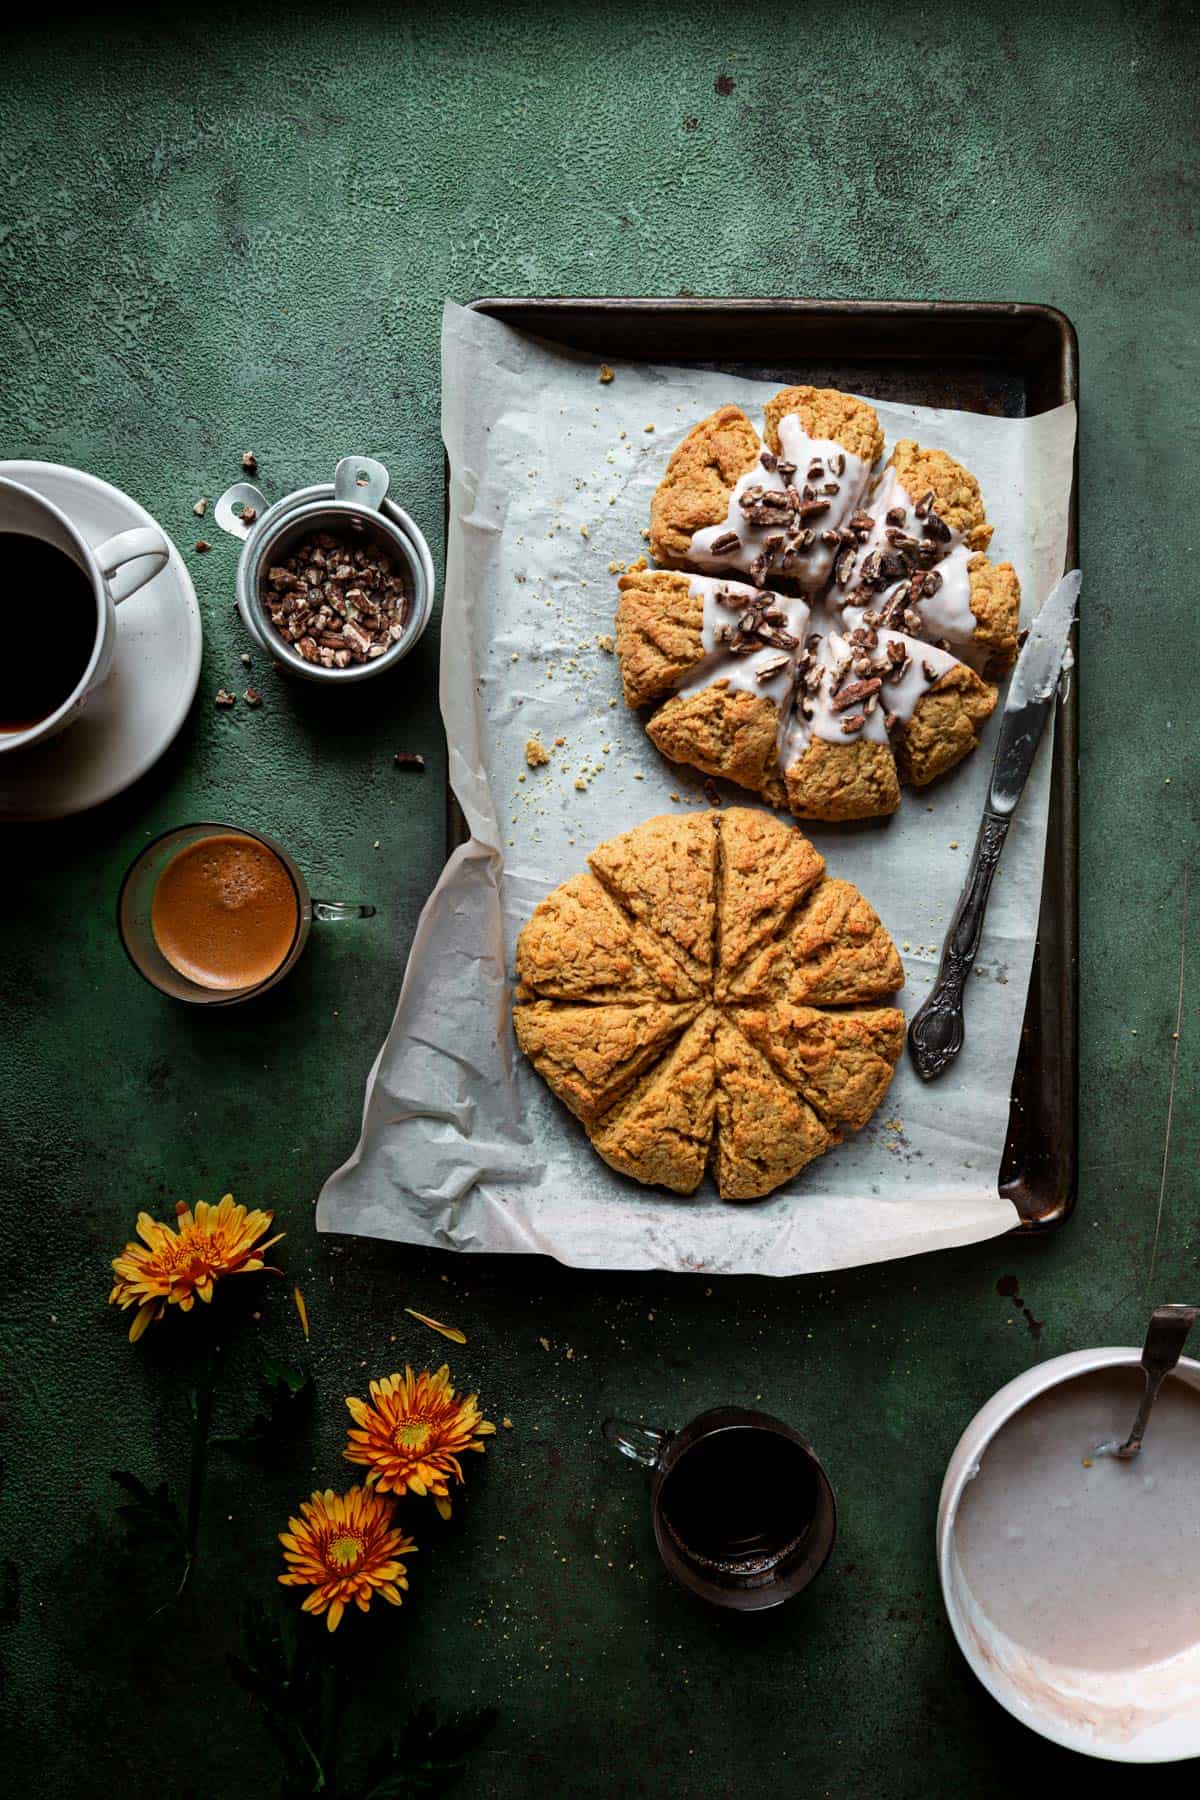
<point x="661" y="1134"/>
<point x="589" y="1056"/>
<point x="834" y="952"/>
<point x="766" y="1132"/>
<point x="842" y="1062"/>
<point x="767" y="869"/>
<point x="701" y="475"/>
<point x="578" y="946"/>
<point x="665" y="873"/>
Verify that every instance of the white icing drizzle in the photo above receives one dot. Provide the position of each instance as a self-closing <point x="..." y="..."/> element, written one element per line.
<point x="791" y="545"/>
<point x="742" y="673"/>
<point x="806" y="452"/>
<point x="891" y="496"/>
<point x="751" y="544"/>
<point x="804" y="678"/>
<point x="946" y="614"/>
<point x="816" y="716"/>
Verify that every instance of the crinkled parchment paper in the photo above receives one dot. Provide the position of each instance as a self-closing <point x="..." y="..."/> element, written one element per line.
<point x="462" y="1145"/>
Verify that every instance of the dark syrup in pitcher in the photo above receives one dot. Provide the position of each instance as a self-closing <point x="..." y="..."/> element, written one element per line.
<point x="49" y="614"/>
<point x="740" y="1500"/>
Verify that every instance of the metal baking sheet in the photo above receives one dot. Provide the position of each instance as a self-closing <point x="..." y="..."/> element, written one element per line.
<point x="1008" y="360"/>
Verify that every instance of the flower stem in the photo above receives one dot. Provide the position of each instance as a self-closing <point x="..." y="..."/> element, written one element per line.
<point x="200" y="1402"/>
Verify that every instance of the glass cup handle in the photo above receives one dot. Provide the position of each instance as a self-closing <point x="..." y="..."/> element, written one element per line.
<point x="637" y="1442"/>
<point x="335" y="911"/>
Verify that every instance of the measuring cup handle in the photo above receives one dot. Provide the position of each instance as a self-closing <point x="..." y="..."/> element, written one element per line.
<point x="361" y="479"/>
<point x="241" y="495"/>
<point x="637" y="1442"/>
<point x="335" y="912"/>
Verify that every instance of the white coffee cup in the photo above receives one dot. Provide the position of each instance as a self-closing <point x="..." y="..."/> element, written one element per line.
<point x="22" y="510"/>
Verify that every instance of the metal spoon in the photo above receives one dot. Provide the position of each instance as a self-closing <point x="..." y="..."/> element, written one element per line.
<point x="1165" y="1338"/>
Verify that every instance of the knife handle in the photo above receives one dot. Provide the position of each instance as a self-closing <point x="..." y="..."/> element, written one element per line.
<point x="935" y="1035"/>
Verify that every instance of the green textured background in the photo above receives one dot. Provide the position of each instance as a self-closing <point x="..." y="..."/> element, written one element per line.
<point x="233" y="230"/>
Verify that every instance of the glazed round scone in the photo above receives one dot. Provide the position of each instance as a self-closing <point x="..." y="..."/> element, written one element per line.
<point x="817" y="637"/>
<point x="706" y="998"/>
<point x="730" y="503"/>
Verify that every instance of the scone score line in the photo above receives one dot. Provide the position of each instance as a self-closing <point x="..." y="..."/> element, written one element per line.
<point x="896" y="600"/>
<point x="706" y="997"/>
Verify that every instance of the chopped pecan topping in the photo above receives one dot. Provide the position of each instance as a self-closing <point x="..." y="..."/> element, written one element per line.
<point x="855" y="693"/>
<point x="843" y="565"/>
<point x="336" y="602"/>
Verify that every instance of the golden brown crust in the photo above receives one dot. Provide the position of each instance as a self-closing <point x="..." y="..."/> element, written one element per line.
<point x="662" y="1132"/>
<point x="956" y="496"/>
<point x="945" y="725"/>
<point x="590" y="1055"/>
<point x="765" y="1132"/>
<point x="722" y="731"/>
<point x="578" y="946"/>
<point x="665" y="1080"/>
<point x="702" y="473"/>
<point x="767" y="869"/>
<point x="835" y="952"/>
<point x="828" y="413"/>
<point x="660" y="625"/>
<point x="665" y="873"/>
<point x="996" y="606"/>
<point x="842" y="1062"/>
<point x="843" y="781"/>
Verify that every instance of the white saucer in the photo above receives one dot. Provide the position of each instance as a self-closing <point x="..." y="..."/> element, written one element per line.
<point x="130" y="721"/>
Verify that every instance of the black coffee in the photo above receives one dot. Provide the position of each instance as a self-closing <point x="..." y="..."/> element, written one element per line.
<point x="49" y="613"/>
<point x="740" y="1498"/>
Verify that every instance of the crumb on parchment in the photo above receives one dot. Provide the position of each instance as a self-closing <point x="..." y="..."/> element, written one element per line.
<point x="536" y="753"/>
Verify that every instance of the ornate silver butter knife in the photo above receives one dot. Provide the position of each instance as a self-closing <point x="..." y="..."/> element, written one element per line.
<point x="935" y="1035"/>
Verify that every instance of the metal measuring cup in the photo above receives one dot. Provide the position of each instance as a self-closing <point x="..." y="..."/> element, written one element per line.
<point x="354" y="504"/>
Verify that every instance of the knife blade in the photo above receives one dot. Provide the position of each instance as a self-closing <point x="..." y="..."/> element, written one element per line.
<point x="936" y="1031"/>
<point x="1031" y="693"/>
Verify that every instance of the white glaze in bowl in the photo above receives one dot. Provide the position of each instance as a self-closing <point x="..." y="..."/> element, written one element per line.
<point x="1136" y="1716"/>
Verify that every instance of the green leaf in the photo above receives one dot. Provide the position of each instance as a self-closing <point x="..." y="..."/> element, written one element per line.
<point x="429" y="1758"/>
<point x="148" y="1516"/>
<point x="289" y="1684"/>
<point x="287" y="1396"/>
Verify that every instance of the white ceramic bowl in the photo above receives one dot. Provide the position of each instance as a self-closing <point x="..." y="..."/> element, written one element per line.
<point x="1147" y="1716"/>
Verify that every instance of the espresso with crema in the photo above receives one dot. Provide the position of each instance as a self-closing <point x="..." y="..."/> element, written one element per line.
<point x="225" y="912"/>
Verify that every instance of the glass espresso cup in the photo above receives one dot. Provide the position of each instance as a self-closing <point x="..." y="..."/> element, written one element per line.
<point x="743" y="1513"/>
<point x="215" y="914"/>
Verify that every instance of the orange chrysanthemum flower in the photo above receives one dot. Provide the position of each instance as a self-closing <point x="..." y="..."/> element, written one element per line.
<point x="413" y="1432"/>
<point x="170" y="1268"/>
<point x="344" y="1549"/>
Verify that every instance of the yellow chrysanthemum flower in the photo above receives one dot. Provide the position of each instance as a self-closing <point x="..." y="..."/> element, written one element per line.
<point x="344" y="1548"/>
<point x="170" y="1268"/>
<point x="413" y="1432"/>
